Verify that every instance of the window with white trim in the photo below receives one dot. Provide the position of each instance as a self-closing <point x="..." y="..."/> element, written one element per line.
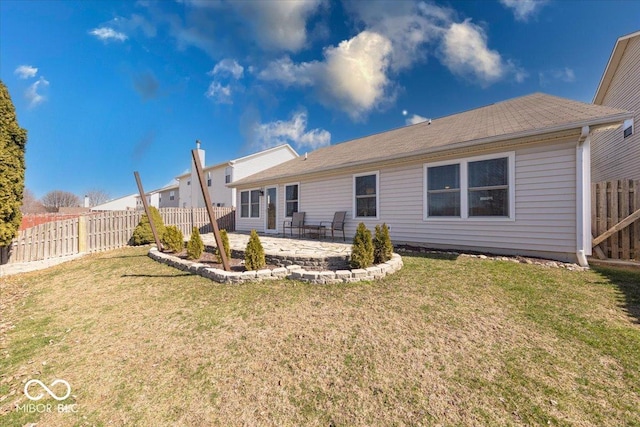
<point x="291" y="199"/>
<point x="479" y="187"/>
<point x="227" y="175"/>
<point x="250" y="204"/>
<point x="443" y="190"/>
<point x="172" y="195"/>
<point x="208" y="179"/>
<point x="366" y="195"/>
<point x="627" y="128"/>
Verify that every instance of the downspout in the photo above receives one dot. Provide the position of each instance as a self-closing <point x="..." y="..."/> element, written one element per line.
<point x="583" y="197"/>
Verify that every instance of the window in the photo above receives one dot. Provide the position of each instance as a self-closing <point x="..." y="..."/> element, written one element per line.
<point x="227" y="175"/>
<point x="628" y="128"/>
<point x="250" y="204"/>
<point x="208" y="179"/>
<point x="189" y="182"/>
<point x="443" y="191"/>
<point x="291" y="199"/>
<point x="172" y="195"/>
<point x="366" y="195"/>
<point x="489" y="187"/>
<point x="479" y="187"/>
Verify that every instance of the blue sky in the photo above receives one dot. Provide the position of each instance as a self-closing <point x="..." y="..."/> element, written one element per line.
<point x="107" y="87"/>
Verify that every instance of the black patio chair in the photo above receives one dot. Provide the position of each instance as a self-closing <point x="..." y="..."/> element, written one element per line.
<point x="337" y="224"/>
<point x="296" y="221"/>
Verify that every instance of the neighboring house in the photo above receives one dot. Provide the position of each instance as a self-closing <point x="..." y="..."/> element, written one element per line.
<point x="168" y="197"/>
<point x="165" y="197"/>
<point x="153" y="199"/>
<point x="616" y="153"/>
<point x="121" y="204"/>
<point x="217" y="177"/>
<point x="508" y="178"/>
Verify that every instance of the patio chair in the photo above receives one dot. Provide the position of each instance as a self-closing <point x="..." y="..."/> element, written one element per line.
<point x="337" y="224"/>
<point x="296" y="221"/>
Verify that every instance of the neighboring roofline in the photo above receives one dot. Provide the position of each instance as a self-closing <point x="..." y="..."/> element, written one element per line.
<point x="594" y="123"/>
<point x="244" y="158"/>
<point x="612" y="66"/>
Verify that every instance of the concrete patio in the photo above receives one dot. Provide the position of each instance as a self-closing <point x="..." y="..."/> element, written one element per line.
<point x="278" y="245"/>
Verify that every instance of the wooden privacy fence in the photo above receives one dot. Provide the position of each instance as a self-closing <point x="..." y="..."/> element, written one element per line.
<point x="615" y="220"/>
<point x="101" y="231"/>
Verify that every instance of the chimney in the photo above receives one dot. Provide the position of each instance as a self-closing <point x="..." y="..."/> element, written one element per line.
<point x="197" y="144"/>
<point x="86" y="201"/>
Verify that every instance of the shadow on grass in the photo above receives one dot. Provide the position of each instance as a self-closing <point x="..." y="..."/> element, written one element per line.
<point x="157" y="275"/>
<point x="627" y="279"/>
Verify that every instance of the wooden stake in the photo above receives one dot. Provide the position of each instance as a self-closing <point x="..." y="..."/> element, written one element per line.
<point x="147" y="211"/>
<point x="207" y="203"/>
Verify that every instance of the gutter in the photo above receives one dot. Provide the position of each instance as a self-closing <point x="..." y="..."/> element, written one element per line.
<point x="583" y="197"/>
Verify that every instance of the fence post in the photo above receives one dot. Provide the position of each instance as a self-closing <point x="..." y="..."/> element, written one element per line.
<point x="82" y="234"/>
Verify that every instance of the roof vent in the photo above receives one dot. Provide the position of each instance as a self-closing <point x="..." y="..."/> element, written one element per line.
<point x="305" y="156"/>
<point x="429" y="122"/>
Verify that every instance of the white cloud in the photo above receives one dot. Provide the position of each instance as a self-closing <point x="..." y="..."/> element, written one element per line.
<point x="286" y="72"/>
<point x="564" y="75"/>
<point x="278" y="25"/>
<point x="466" y="54"/>
<point x="106" y="34"/>
<point x="408" y="25"/>
<point x="293" y="131"/>
<point x="352" y="77"/>
<point x="415" y="119"/>
<point x="228" y="67"/>
<point x="219" y="93"/>
<point x="26" y="71"/>
<point x="523" y="9"/>
<point x="33" y="96"/>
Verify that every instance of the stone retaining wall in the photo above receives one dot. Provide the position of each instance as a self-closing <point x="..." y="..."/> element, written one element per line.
<point x="294" y="271"/>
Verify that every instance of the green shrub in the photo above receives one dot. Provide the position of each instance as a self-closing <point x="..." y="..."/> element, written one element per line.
<point x="195" y="247"/>
<point x="173" y="239"/>
<point x="382" y="246"/>
<point x="362" y="248"/>
<point x="142" y="234"/>
<point x="254" y="254"/>
<point x="225" y="244"/>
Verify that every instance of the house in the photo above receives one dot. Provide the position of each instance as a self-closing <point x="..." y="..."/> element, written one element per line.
<point x="508" y="178"/>
<point x="616" y="153"/>
<point x="165" y="197"/>
<point x="120" y="204"/>
<point x="218" y="176"/>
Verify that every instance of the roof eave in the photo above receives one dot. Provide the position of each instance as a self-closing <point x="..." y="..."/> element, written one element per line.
<point x="601" y="122"/>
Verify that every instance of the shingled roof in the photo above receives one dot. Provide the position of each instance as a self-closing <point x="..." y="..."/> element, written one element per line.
<point x="519" y="117"/>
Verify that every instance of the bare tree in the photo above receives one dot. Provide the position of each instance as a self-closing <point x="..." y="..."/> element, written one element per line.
<point x="97" y="196"/>
<point x="60" y="199"/>
<point x="31" y="205"/>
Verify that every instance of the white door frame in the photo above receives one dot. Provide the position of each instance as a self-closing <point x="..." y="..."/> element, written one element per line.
<point x="266" y="207"/>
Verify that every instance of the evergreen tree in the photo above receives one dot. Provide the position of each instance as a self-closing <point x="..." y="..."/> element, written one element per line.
<point x="362" y="248"/>
<point x="382" y="246"/>
<point x="225" y="243"/>
<point x="195" y="246"/>
<point x="173" y="239"/>
<point x="254" y="254"/>
<point x="142" y="234"/>
<point x="13" y="140"/>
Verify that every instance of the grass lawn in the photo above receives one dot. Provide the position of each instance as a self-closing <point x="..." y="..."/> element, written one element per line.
<point x="445" y="341"/>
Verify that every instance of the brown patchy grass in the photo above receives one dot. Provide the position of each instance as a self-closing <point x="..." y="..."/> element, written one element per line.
<point x="443" y="342"/>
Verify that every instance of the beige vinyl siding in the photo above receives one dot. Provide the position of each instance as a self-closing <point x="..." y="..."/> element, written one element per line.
<point x="545" y="214"/>
<point x="613" y="156"/>
<point x="248" y="224"/>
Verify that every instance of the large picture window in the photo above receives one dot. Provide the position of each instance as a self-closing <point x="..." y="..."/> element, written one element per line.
<point x="250" y="204"/>
<point x="366" y="195"/>
<point x="479" y="187"/>
<point x="291" y="199"/>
